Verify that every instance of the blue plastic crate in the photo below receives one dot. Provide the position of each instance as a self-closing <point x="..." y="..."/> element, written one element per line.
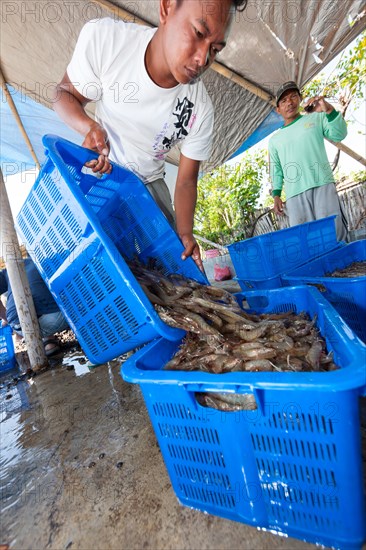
<point x="348" y="294"/>
<point x="259" y="284"/>
<point x="78" y="228"/>
<point x="293" y="465"/>
<point x="7" y="354"/>
<point x="260" y="261"/>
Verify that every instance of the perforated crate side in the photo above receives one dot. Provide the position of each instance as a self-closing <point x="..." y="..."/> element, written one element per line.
<point x="347" y="295"/>
<point x="284" y="470"/>
<point x="7" y="352"/>
<point x="294" y="464"/>
<point x="274" y="253"/>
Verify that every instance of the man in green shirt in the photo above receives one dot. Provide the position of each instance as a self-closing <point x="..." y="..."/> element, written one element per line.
<point x="298" y="160"/>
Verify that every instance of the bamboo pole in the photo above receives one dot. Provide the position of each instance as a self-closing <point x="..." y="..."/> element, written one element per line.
<point x="243" y="82"/>
<point x="13" y="108"/>
<point x="349" y="151"/>
<point x="214" y="245"/>
<point x="122" y="13"/>
<point x="19" y="283"/>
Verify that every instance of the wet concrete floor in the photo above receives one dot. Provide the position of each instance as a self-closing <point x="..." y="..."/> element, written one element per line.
<point x="80" y="468"/>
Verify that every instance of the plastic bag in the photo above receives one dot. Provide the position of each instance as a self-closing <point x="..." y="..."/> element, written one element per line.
<point x="222" y="273"/>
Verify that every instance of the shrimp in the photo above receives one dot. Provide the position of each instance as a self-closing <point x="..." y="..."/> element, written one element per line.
<point x="314" y="353"/>
<point x="258" y="365"/>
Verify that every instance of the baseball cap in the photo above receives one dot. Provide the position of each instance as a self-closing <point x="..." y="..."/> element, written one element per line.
<point x="286" y="86"/>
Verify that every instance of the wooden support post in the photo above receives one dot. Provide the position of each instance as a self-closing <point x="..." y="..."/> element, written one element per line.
<point x="214" y="245"/>
<point x="14" y="110"/>
<point x="19" y="283"/>
<point x="348" y="151"/>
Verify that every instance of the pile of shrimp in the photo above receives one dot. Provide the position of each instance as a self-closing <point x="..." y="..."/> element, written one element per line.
<point x="222" y="337"/>
<point x="355" y="269"/>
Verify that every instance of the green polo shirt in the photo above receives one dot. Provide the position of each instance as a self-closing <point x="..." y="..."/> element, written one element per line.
<point x="298" y="159"/>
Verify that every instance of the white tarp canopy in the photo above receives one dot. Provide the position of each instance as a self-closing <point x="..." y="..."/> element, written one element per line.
<point x="271" y="42"/>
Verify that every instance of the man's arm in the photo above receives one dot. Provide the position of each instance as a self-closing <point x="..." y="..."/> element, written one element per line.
<point x="185" y="198"/>
<point x="69" y="104"/>
<point x="276" y="176"/>
<point x="334" y="125"/>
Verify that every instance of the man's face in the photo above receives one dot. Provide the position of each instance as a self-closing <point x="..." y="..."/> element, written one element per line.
<point x="289" y="104"/>
<point x="194" y="32"/>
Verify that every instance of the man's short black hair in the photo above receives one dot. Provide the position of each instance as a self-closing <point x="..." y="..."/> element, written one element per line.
<point x="240" y="5"/>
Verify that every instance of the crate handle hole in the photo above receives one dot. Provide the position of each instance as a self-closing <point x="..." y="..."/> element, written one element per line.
<point x="226" y="402"/>
<point x="254" y="302"/>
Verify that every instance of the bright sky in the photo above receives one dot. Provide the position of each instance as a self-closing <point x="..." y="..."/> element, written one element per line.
<point x="19" y="185"/>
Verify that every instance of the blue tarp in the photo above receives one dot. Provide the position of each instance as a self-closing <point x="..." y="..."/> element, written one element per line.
<point x="37" y="120"/>
<point x="269" y="125"/>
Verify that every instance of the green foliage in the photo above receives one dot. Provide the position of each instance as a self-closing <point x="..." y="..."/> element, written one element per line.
<point x="227" y="198"/>
<point x="268" y="202"/>
<point x="359" y="176"/>
<point x="346" y="83"/>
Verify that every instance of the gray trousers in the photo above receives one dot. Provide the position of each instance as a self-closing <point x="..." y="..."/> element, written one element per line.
<point x="315" y="204"/>
<point x="49" y="323"/>
<point x="158" y="189"/>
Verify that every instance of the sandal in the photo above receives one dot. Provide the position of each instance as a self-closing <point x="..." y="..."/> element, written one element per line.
<point x="51" y="346"/>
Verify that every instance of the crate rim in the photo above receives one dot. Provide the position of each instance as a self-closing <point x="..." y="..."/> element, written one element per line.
<point x="287" y="276"/>
<point x="242" y="382"/>
<point x="50" y="143"/>
<point x="281" y="274"/>
<point x="252" y="239"/>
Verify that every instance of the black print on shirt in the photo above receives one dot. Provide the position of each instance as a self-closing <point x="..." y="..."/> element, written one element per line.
<point x="183" y="112"/>
<point x="184" y="119"/>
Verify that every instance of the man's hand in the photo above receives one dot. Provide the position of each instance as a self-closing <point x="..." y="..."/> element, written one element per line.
<point x="185" y="201"/>
<point x="278" y="206"/>
<point x="317" y="104"/>
<point x="70" y="106"/>
<point x="191" y="249"/>
<point x="97" y="140"/>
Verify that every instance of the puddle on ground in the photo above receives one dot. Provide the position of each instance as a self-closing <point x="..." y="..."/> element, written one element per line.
<point x="34" y="415"/>
<point x="76" y="360"/>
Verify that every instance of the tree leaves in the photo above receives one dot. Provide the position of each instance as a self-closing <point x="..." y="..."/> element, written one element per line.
<point x="227" y="198"/>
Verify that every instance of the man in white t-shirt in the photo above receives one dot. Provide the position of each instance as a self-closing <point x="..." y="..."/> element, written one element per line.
<point x="148" y="95"/>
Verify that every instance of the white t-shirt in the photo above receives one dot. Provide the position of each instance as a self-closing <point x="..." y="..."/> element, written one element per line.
<point x="143" y="120"/>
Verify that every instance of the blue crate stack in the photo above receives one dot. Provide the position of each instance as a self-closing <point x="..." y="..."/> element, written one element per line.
<point x="346" y="294"/>
<point x="260" y="261"/>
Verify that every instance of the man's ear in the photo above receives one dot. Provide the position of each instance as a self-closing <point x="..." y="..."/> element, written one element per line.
<point x="278" y="110"/>
<point x="165" y="8"/>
